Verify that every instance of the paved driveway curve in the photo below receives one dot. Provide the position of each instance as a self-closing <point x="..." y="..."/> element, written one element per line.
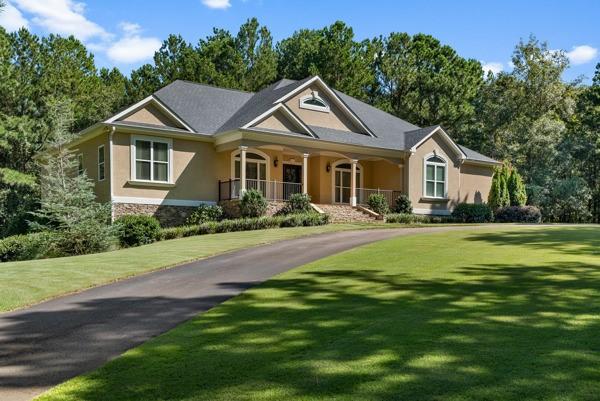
<point x="48" y="343"/>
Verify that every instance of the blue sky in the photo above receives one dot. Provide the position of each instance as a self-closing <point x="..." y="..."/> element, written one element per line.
<point x="125" y="34"/>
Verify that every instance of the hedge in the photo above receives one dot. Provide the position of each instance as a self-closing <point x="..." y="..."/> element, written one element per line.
<point x="23" y="247"/>
<point x="245" y="224"/>
<point x="473" y="213"/>
<point x="407" y="218"/>
<point x="519" y="214"/>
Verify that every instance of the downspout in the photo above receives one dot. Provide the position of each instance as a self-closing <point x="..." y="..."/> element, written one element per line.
<point x="110" y="157"/>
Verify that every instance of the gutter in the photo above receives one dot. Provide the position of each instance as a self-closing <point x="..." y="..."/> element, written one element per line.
<point x="111" y="178"/>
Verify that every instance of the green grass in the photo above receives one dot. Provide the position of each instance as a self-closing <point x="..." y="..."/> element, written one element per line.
<point x="487" y="314"/>
<point x="26" y="283"/>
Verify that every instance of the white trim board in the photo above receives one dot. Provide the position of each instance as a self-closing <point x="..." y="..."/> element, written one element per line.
<point x="162" y="202"/>
<point x="143" y="102"/>
<point x="433" y="212"/>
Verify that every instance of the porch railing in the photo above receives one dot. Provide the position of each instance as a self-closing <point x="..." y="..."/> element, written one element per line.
<point x="271" y="190"/>
<point x="362" y="195"/>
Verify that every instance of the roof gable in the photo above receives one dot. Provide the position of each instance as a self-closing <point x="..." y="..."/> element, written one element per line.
<point x="150" y="112"/>
<point x="332" y="117"/>
<point x="332" y="95"/>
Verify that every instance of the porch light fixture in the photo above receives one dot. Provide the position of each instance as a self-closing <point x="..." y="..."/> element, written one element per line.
<point x="328" y="167"/>
<point x="276" y="161"/>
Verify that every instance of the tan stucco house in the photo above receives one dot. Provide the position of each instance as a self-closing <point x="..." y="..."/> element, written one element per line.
<point x="188" y="144"/>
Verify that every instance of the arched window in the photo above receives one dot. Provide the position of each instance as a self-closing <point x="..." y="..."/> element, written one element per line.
<point x="314" y="102"/>
<point x="435" y="180"/>
<point x="257" y="165"/>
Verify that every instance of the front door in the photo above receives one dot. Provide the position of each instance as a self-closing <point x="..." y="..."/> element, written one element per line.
<point x="292" y="180"/>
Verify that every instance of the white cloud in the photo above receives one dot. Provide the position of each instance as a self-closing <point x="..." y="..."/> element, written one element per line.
<point x="132" y="47"/>
<point x="12" y="19"/>
<point x="493" y="67"/>
<point x="63" y="17"/>
<point x="220" y="4"/>
<point x="582" y="54"/>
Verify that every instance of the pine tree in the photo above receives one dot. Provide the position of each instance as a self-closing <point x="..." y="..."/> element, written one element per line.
<point x="504" y="199"/>
<point x="69" y="209"/>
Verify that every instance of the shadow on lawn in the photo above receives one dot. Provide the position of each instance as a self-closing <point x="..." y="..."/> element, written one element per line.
<point x="503" y="332"/>
<point x="562" y="239"/>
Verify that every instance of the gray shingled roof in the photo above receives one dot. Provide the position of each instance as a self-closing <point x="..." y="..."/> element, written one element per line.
<point x="202" y="107"/>
<point x="210" y="110"/>
<point x="472" y="155"/>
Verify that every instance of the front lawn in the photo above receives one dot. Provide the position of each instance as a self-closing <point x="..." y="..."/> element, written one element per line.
<point x="25" y="283"/>
<point x="487" y="314"/>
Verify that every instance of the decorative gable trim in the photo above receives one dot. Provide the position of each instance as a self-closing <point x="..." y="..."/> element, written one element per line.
<point x="283" y="108"/>
<point x="149" y="100"/>
<point x="447" y="139"/>
<point x="333" y="96"/>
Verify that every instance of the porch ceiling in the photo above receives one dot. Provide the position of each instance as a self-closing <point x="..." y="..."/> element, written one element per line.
<point x="301" y="146"/>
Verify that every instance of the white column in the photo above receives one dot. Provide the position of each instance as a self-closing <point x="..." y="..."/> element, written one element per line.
<point x="242" y="169"/>
<point x="353" y="184"/>
<point x="305" y="173"/>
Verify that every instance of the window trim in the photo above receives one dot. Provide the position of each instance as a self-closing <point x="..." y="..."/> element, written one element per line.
<point x="103" y="163"/>
<point x="82" y="170"/>
<point x="133" y="159"/>
<point x="428" y="163"/>
<point x="314" y="95"/>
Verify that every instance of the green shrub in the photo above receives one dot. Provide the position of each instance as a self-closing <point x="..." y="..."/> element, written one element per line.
<point x="245" y="224"/>
<point x="378" y="204"/>
<point x="205" y="213"/>
<point x="403" y="204"/>
<point x="134" y="230"/>
<point x="253" y="204"/>
<point x="298" y="203"/>
<point x="519" y="214"/>
<point x="473" y="213"/>
<point x="23" y="247"/>
<point x="80" y="239"/>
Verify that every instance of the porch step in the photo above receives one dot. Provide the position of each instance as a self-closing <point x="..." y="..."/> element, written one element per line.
<point x="345" y="213"/>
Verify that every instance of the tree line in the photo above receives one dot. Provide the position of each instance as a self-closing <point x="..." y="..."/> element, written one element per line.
<point x="546" y="128"/>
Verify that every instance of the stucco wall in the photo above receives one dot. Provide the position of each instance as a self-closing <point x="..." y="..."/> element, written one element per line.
<point x="194" y="171"/>
<point x="89" y="149"/>
<point x="475" y="183"/>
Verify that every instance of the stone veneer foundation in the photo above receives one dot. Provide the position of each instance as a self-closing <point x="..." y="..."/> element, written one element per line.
<point x="168" y="216"/>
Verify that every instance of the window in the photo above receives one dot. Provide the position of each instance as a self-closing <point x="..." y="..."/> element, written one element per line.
<point x="435" y="177"/>
<point x="151" y="159"/>
<point x="314" y="102"/>
<point x="80" y="168"/>
<point x="256" y="166"/>
<point x="101" y="171"/>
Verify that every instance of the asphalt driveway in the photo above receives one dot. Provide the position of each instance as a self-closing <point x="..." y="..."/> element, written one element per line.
<point x="46" y="344"/>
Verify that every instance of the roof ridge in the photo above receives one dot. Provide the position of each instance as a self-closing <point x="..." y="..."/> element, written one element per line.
<point x="209" y="86"/>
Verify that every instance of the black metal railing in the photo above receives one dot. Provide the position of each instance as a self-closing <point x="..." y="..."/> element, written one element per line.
<point x="271" y="190"/>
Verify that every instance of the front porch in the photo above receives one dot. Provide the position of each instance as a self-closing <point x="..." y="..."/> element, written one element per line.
<point x="328" y="177"/>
